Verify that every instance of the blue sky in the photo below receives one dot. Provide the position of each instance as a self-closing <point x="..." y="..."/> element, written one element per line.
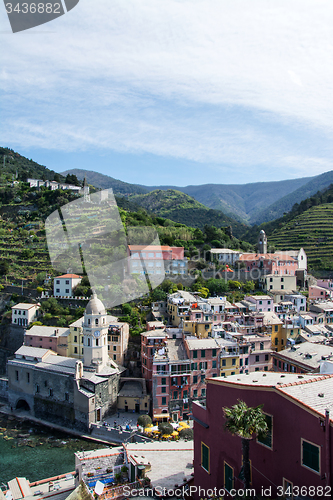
<point x="174" y="92"/>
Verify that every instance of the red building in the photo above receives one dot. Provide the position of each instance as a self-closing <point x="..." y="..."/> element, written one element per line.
<point x="296" y="453"/>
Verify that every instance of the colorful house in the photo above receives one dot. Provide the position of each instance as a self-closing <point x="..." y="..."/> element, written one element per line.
<point x="296" y="453"/>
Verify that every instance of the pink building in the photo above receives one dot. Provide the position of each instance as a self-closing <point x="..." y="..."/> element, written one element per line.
<point x="272" y="263"/>
<point x="319" y="292"/>
<point x="297" y="451"/>
<point x="48" y="337"/>
<point x="263" y="303"/>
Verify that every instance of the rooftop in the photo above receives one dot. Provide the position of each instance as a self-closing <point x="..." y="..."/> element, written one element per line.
<point x="195" y="343"/>
<point x="68" y="276"/>
<point x="171" y="462"/>
<point x="307" y="354"/>
<point x="48" y="331"/>
<point x="25" y="306"/>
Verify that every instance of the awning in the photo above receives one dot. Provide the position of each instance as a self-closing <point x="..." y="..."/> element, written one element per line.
<point x="161" y="415"/>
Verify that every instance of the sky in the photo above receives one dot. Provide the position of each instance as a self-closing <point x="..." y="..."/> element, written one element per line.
<point x="174" y="92"/>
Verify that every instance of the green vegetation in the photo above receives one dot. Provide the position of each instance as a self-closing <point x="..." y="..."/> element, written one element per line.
<point x="144" y="421"/>
<point x="245" y="421"/>
<point x="182" y="208"/>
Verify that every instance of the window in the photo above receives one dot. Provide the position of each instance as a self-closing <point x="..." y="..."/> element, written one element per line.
<point x="66" y="396"/>
<point x="257" y="359"/>
<point x="214" y="364"/>
<point x="16" y="375"/>
<point x="241" y="362"/>
<point x="205" y="457"/>
<point x="266" y="357"/>
<point x="163" y="381"/>
<point x="51" y="393"/>
<point x="233" y="362"/>
<point x="115" y="357"/>
<point x="267" y="440"/>
<point x="45" y="383"/>
<point x="88" y="342"/>
<point x="114" y="347"/>
<point x="75" y="338"/>
<point x="195" y="393"/>
<point x="194" y="366"/>
<point x="96" y="342"/>
<point x="163" y="400"/>
<point x="214" y="353"/>
<point x="57" y="290"/>
<point x="202" y="377"/>
<point x="261" y="346"/>
<point x="57" y="282"/>
<point x="28" y="378"/>
<point x="203" y="353"/>
<point x="228" y="477"/>
<point x="67" y="290"/>
<point x="175" y="394"/>
<point x="75" y="350"/>
<point x="195" y="354"/>
<point x="96" y="321"/>
<point x="246" y="361"/>
<point x="276" y="341"/>
<point x="223" y="362"/>
<point x="37" y="388"/>
<point x="163" y="389"/>
<point x="310" y="456"/>
<point x="203" y="393"/>
<point x="195" y="379"/>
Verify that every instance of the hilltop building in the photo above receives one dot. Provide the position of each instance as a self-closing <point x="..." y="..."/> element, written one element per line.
<point x="24" y="314"/>
<point x="157" y="259"/>
<point x="63" y="285"/>
<point x="66" y="390"/>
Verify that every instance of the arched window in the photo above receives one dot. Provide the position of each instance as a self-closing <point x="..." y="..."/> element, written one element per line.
<point x="88" y="341"/>
<point x="96" y="321"/>
<point x="96" y="342"/>
<point x="88" y="321"/>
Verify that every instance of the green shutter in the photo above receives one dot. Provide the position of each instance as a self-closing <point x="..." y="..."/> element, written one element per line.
<point x="267" y="439"/>
<point x="205" y="457"/>
<point x="228" y="477"/>
<point x="310" y="456"/>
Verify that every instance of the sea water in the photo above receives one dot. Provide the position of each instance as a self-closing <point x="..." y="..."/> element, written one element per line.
<point x="36" y="452"/>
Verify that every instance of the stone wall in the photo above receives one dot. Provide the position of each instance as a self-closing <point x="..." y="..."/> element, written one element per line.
<point x="3" y="388"/>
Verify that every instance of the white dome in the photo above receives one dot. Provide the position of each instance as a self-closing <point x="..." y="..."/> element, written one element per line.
<point x="95" y="306"/>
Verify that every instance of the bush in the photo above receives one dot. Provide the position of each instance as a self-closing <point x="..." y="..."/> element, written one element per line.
<point x="186" y="434"/>
<point x="165" y="428"/>
<point x="39" y="289"/>
<point x="144" y="420"/>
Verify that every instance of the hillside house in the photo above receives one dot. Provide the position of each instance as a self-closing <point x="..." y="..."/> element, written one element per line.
<point x="24" y="314"/>
<point x="63" y="285"/>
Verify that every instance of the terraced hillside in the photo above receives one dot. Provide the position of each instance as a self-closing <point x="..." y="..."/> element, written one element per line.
<point x="312" y="230"/>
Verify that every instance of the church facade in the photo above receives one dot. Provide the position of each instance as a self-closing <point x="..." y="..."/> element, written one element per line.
<point x="63" y="390"/>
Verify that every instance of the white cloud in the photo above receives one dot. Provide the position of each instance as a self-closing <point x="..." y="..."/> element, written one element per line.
<point x="210" y="81"/>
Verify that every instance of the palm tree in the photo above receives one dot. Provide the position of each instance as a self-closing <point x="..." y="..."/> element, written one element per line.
<point x="245" y="421"/>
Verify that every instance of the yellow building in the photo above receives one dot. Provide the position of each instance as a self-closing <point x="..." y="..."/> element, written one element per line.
<point x="229" y="358"/>
<point x="274" y="327"/>
<point x="201" y="329"/>
<point x="133" y="396"/>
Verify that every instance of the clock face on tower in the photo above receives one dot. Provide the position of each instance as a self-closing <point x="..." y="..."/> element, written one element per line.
<point x="97" y="333"/>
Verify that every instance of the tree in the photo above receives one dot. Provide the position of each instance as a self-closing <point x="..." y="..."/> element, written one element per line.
<point x="144" y="420"/>
<point x="165" y="428"/>
<point x="245" y="421"/>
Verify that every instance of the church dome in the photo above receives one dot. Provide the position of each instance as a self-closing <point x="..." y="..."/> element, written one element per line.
<point x="95" y="306"/>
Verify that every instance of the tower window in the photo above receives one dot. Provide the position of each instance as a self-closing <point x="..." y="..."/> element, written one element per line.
<point x="96" y="321"/>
